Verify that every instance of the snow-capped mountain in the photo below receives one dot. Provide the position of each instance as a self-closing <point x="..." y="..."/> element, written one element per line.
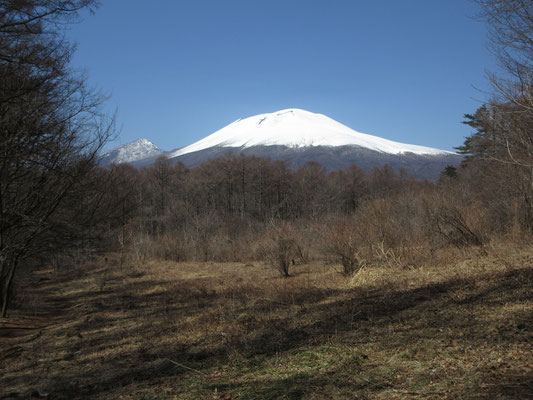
<point x="131" y="152"/>
<point x="295" y="128"/>
<point x="296" y="137"/>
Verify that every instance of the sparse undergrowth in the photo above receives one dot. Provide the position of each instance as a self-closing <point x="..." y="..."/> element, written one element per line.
<point x="459" y="329"/>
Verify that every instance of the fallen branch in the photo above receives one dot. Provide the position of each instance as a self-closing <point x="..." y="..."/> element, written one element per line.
<point x="184" y="366"/>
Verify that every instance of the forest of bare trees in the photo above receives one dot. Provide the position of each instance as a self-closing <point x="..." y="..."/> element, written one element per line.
<point x="241" y="208"/>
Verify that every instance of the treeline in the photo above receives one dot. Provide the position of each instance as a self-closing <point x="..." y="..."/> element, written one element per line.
<point x="240" y="208"/>
<point x="208" y="211"/>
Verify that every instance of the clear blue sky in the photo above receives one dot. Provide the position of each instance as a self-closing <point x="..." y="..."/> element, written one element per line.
<point x="179" y="70"/>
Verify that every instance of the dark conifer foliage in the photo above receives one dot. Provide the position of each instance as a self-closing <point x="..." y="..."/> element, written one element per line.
<point x="500" y="149"/>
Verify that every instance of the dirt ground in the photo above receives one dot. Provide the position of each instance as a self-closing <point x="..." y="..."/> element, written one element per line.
<point x="461" y="328"/>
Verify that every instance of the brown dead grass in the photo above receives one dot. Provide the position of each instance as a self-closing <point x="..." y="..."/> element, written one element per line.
<point x="460" y="327"/>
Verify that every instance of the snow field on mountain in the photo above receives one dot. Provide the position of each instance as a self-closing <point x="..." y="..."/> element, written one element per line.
<point x="133" y="151"/>
<point x="298" y="128"/>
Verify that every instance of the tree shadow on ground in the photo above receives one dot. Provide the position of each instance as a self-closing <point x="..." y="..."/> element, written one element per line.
<point x="128" y="334"/>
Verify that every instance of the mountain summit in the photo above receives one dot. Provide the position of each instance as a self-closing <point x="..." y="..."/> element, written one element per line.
<point x="295" y="128"/>
<point x="298" y="136"/>
<point x="131" y="152"/>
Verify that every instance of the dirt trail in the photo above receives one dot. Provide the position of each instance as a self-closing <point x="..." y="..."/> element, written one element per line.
<point x="46" y="308"/>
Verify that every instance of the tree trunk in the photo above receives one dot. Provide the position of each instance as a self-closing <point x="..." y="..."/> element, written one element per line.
<point x="5" y="287"/>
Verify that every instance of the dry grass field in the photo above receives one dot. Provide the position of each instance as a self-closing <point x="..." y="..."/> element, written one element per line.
<point x="459" y="328"/>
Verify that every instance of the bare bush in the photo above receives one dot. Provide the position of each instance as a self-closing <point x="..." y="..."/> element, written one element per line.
<point x="457" y="220"/>
<point x="307" y="234"/>
<point x="456" y="227"/>
<point x="141" y="245"/>
<point x="341" y="242"/>
<point x="279" y="248"/>
<point x="391" y="231"/>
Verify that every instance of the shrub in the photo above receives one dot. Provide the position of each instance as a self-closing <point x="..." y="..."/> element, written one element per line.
<point x="280" y="247"/>
<point x="341" y="243"/>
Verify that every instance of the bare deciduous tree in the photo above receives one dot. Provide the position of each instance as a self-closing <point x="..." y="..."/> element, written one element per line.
<point x="503" y="136"/>
<point x="52" y="130"/>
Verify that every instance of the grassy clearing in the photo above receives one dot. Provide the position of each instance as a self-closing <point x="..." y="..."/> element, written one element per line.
<point x="460" y="328"/>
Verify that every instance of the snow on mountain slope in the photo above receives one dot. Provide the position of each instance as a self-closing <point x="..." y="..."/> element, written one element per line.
<point x="298" y="128"/>
<point x="130" y="152"/>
